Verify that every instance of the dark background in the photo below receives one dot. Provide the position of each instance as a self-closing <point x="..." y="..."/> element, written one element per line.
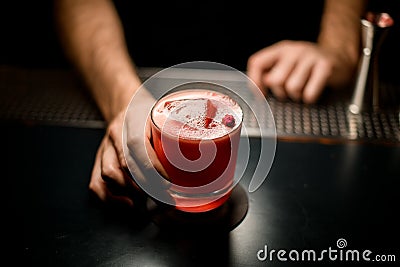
<point x="28" y="35"/>
<point x="172" y="32"/>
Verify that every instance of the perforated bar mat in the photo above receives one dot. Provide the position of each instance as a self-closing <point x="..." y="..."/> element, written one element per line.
<point x="58" y="97"/>
<point x="55" y="97"/>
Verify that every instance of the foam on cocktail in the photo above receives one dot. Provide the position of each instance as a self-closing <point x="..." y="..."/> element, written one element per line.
<point x="197" y="115"/>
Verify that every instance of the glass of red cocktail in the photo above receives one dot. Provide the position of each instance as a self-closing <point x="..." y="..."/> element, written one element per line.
<point x="196" y="135"/>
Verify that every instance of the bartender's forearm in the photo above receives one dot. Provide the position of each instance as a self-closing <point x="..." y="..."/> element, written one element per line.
<point x="93" y="38"/>
<point x="340" y="27"/>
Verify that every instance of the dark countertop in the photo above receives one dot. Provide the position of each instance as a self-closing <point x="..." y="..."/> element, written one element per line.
<point x="323" y="187"/>
<point x="314" y="195"/>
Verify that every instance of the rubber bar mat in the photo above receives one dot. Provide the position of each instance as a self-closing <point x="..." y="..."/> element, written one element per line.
<point x="58" y="97"/>
<point x="55" y="97"/>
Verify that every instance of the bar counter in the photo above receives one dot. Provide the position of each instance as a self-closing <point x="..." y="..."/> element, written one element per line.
<point x="330" y="195"/>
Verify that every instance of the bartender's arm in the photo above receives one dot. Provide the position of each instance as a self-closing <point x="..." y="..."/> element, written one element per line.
<point x="93" y="38"/>
<point x="301" y="70"/>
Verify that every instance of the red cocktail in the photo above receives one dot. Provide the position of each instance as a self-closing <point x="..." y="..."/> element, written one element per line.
<point x="196" y="135"/>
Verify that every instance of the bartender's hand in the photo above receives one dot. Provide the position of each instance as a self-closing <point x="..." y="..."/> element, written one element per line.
<point x="111" y="179"/>
<point x="298" y="70"/>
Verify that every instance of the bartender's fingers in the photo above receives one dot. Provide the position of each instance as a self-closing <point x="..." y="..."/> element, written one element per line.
<point x="297" y="80"/>
<point x="115" y="131"/>
<point x="276" y="78"/>
<point x="127" y="165"/>
<point x="114" y="162"/>
<point x="317" y="81"/>
<point x="142" y="151"/>
<point x="100" y="187"/>
<point x="278" y="91"/>
<point x="111" y="170"/>
<point x="259" y="63"/>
